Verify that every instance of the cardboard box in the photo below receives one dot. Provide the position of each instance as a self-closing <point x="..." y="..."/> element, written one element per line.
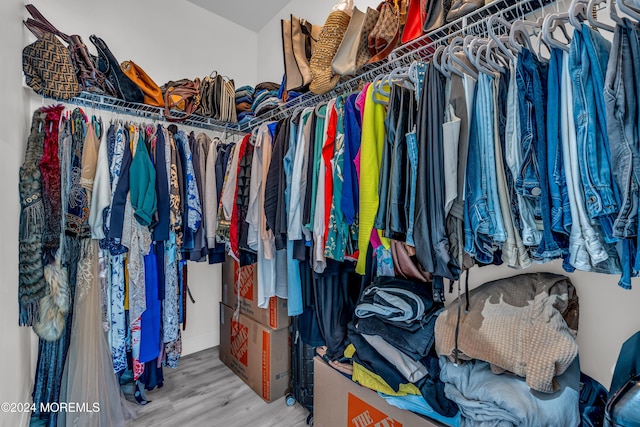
<point x="339" y="402"/>
<point x="276" y="316"/>
<point x="256" y="353"/>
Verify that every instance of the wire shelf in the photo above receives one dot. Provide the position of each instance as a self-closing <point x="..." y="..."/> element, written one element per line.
<point x="119" y="106"/>
<point x="420" y="49"/>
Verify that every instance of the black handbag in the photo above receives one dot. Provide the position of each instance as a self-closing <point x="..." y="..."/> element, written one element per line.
<point x="623" y="408"/>
<point x="109" y="65"/>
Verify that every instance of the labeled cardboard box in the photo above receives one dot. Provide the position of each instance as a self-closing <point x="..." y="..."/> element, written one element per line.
<point x="256" y="353"/>
<point x="243" y="280"/>
<point x="339" y="402"/>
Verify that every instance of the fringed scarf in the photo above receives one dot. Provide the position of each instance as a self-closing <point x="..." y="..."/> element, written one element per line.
<point x="50" y="170"/>
<point x="77" y="213"/>
<point x="31" y="282"/>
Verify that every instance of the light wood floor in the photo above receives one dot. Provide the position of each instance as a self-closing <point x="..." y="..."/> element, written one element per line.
<point x="203" y="392"/>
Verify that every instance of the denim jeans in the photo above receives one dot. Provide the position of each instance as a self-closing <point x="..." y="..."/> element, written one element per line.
<point x="532" y="182"/>
<point x="412" y="152"/>
<point x="560" y="208"/>
<point x="622" y="126"/>
<point x="479" y="225"/>
<point x="587" y="249"/>
<point x="588" y="57"/>
<point x="523" y="208"/>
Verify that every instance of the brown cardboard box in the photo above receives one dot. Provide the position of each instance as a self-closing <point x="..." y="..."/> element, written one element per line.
<point x="256" y="353"/>
<point x="275" y="316"/>
<point x="339" y="402"/>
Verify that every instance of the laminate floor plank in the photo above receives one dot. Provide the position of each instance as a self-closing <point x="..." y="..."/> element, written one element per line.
<point x="203" y="392"/>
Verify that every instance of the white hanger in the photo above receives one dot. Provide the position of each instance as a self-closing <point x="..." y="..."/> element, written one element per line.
<point x="493" y="19"/>
<point x="578" y="13"/>
<point x="633" y="13"/>
<point x="592" y="18"/>
<point x="551" y="22"/>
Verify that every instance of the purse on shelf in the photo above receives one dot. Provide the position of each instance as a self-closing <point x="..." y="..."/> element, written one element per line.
<point x="460" y="8"/>
<point x="416" y="17"/>
<point x="182" y="95"/>
<point x="363" y="55"/>
<point x="205" y="108"/>
<point x="344" y="62"/>
<point x="109" y="65"/>
<point x="385" y="35"/>
<point x="437" y="11"/>
<point x="323" y="77"/>
<point x="299" y="38"/>
<point x="151" y="91"/>
<point x="82" y="70"/>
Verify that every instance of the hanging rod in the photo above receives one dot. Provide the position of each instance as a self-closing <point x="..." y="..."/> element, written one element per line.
<point x="420" y="49"/>
<point x="119" y="106"/>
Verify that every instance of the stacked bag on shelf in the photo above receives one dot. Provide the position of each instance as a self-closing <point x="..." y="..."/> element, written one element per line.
<point x="316" y="58"/>
<point x="62" y="72"/>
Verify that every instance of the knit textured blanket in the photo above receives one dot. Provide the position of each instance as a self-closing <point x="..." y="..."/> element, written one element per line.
<point x="524" y="324"/>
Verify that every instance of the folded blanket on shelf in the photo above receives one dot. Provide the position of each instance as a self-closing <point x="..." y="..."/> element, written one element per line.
<point x="524" y="324"/>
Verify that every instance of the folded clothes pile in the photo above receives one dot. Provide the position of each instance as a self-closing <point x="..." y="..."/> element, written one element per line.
<point x="244" y="102"/>
<point x="392" y="339"/>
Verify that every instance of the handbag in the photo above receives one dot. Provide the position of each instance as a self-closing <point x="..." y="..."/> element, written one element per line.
<point x="109" y="65"/>
<point x="623" y="408"/>
<point x="299" y="38"/>
<point x="460" y="8"/>
<point x="344" y="62"/>
<point x="437" y="11"/>
<point x="405" y="263"/>
<point x="182" y="95"/>
<point x="416" y="16"/>
<point x="151" y="91"/>
<point x="48" y="69"/>
<point x="385" y="35"/>
<point x="363" y="55"/>
<point x="86" y="75"/>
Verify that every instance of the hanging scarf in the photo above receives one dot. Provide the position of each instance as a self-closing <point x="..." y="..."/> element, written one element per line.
<point x="31" y="282"/>
<point x="77" y="214"/>
<point x="50" y="171"/>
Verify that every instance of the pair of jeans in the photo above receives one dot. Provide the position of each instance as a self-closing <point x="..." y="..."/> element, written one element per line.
<point x="588" y="57"/>
<point x="560" y="208"/>
<point x="416" y="344"/>
<point x="533" y="180"/>
<point x="624" y="142"/>
<point x="396" y="301"/>
<point x="587" y="249"/>
<point x="523" y="208"/>
<point x="484" y="227"/>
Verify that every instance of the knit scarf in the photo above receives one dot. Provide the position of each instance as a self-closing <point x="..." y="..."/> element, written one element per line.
<point x="31" y="282"/>
<point x="50" y="170"/>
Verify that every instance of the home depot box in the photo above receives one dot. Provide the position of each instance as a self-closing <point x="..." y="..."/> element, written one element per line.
<point x="256" y="353"/>
<point x="339" y="402"/>
<point x="275" y="316"/>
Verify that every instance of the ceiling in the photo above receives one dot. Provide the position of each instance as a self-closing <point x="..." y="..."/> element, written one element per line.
<point x="251" y="14"/>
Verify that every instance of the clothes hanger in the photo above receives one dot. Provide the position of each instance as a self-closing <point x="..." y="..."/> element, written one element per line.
<point x="552" y="22"/>
<point x="378" y="93"/>
<point x="578" y="13"/>
<point x="592" y="17"/>
<point x="436" y="58"/>
<point x="473" y="49"/>
<point x="633" y="13"/>
<point x="495" y="59"/>
<point x="456" y="46"/>
<point x="519" y="36"/>
<point x="499" y="40"/>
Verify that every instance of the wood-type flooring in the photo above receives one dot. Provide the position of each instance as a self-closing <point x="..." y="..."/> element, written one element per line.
<point x="203" y="392"/>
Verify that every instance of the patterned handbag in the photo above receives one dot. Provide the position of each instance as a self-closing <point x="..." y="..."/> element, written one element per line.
<point x="48" y="68"/>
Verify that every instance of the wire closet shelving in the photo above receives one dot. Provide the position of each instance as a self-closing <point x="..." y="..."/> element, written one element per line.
<point x="420" y="49"/>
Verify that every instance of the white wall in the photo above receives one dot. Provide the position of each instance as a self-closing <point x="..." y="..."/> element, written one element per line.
<point x="15" y="353"/>
<point x="170" y="39"/>
<point x="270" y="59"/>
